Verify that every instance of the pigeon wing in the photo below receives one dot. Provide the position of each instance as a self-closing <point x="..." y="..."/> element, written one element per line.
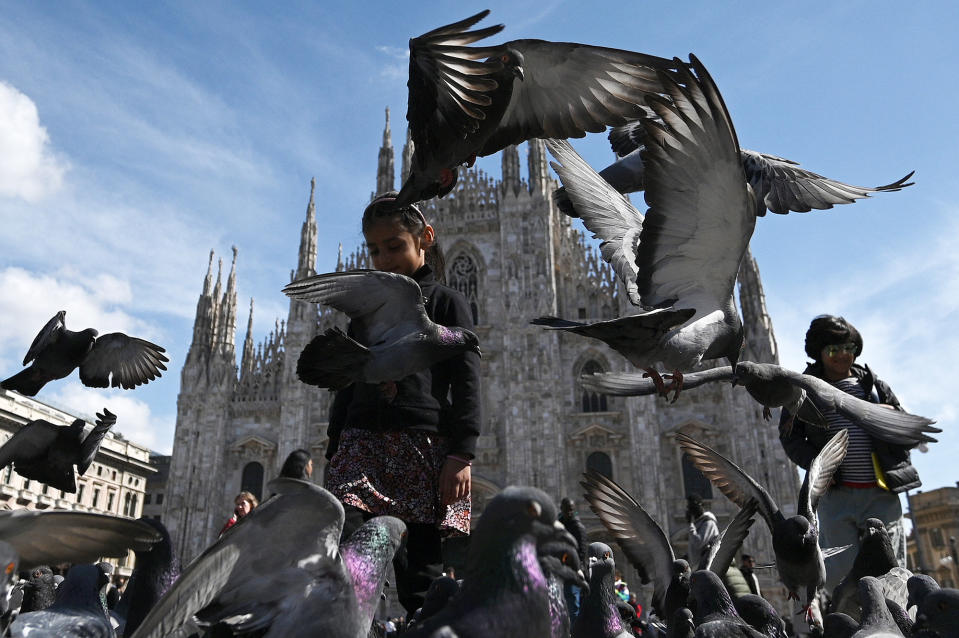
<point x="636" y="384"/>
<point x="29" y="442"/>
<point x="571" y="89"/>
<point x="48" y="538"/>
<point x="604" y="211"/>
<point x="730" y="479"/>
<point x="90" y="445"/>
<point x="782" y="186"/>
<point x="628" y="137"/>
<point x="47" y="335"/>
<point x="377" y="302"/>
<point x="701" y="213"/>
<point x="820" y="474"/>
<point x="641" y="538"/>
<point x="892" y="426"/>
<point x="721" y="555"/>
<point x="128" y="360"/>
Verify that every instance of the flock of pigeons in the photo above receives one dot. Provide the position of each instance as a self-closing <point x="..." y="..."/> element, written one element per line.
<point x="282" y="571"/>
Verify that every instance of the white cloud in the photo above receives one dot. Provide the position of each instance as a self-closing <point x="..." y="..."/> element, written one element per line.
<point x="28" y="167"/>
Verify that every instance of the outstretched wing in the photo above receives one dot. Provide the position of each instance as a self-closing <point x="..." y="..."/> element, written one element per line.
<point x="376" y="301"/>
<point x="782" y="186"/>
<point x="121" y="361"/>
<point x="29" y="442"/>
<point x="701" y="213"/>
<point x="570" y="89"/>
<point x="820" y="474"/>
<point x="642" y="539"/>
<point x="720" y="555"/>
<point x="47" y="335"/>
<point x="48" y="538"/>
<point x="637" y="384"/>
<point x="90" y="445"/>
<point x="730" y="479"/>
<point x="604" y="211"/>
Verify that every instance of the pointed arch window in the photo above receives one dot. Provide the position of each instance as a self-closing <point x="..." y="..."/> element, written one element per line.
<point x="592" y="401"/>
<point x="600" y="462"/>
<point x="252" y="479"/>
<point x="695" y="481"/>
<point x="464" y="276"/>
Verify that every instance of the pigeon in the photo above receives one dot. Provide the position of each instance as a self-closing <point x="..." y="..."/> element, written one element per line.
<point x="770" y="394"/>
<point x="795" y="539"/>
<point x="938" y="614"/>
<point x="111" y="360"/>
<point x="647" y="547"/>
<point x="892" y="426"/>
<point x="77" y="613"/>
<point x="45" y="452"/>
<point x="39" y="590"/>
<point x="684" y="255"/>
<point x="598" y="615"/>
<point x="560" y="566"/>
<point x="504" y="592"/>
<point x="681" y="625"/>
<point x="437" y="595"/>
<point x="760" y="615"/>
<point x="780" y="185"/>
<point x="876" y="619"/>
<point x="156" y="570"/>
<point x="467" y="102"/>
<point x="394" y="337"/>
<point x="899" y="616"/>
<point x="876" y="557"/>
<point x="714" y="613"/>
<point x="59" y="536"/>
<point x="918" y="586"/>
<point x="838" y="625"/>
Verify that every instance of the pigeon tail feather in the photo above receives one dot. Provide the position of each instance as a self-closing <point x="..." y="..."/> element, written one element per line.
<point x="27" y="382"/>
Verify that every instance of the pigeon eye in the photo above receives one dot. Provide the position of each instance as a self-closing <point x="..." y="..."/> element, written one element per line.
<point x="606" y="555"/>
<point x="10" y="568"/>
<point x="565" y="557"/>
<point x="504" y="57"/>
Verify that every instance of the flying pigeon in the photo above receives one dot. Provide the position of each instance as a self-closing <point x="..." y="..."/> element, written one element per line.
<point x="647" y="547"/>
<point x="795" y="539"/>
<point x="45" y="452"/>
<point x="467" y="102"/>
<point x="714" y="613"/>
<point x="111" y="360"/>
<point x="77" y="613"/>
<point x="780" y="185"/>
<point x="156" y="570"/>
<point x="684" y="255"/>
<point x="393" y="335"/>
<point x="876" y="557"/>
<point x="938" y="614"/>
<point x="598" y="616"/>
<point x="58" y="536"/>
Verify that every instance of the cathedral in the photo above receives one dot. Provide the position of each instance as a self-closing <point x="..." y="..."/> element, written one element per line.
<point x="515" y="257"/>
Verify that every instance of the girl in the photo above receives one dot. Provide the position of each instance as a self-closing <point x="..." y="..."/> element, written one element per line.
<point x="405" y="448"/>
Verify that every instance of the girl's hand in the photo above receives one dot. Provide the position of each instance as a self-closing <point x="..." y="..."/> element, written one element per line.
<point x="454" y="481"/>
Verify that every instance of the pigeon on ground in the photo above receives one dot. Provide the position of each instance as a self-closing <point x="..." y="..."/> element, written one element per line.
<point x="111" y="360"/>
<point x="918" y="587"/>
<point x="45" y="452"/>
<point x="876" y="619"/>
<point x="598" y="614"/>
<point x="837" y="625"/>
<point x="900" y="616"/>
<point x="467" y="102"/>
<point x="760" y="615"/>
<point x="504" y="592"/>
<point x="938" y="615"/>
<point x="77" y="613"/>
<point x="780" y="185"/>
<point x="795" y="539"/>
<point x="647" y="547"/>
<point x="39" y="590"/>
<point x="437" y="595"/>
<point x="393" y="335"/>
<point x="769" y="393"/>
<point x="876" y="557"/>
<point x="684" y="255"/>
<point x="59" y="536"/>
<point x="156" y="570"/>
<point x="714" y="613"/>
<point x="681" y="625"/>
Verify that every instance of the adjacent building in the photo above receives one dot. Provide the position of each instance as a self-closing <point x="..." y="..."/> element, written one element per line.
<point x="932" y="543"/>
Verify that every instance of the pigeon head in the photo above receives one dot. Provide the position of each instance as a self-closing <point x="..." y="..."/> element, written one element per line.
<point x="601" y="560"/>
<point x="749" y="372"/>
<point x="872" y="527"/>
<point x="708" y="595"/>
<point x="513" y="62"/>
<point x="938" y="614"/>
<point x="559" y="558"/>
<point x="459" y="339"/>
<point x="681" y="569"/>
<point x="919" y="585"/>
<point x="682" y="622"/>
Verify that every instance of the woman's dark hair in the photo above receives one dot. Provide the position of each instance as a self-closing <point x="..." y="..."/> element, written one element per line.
<point x="828" y="330"/>
<point x="295" y="465"/>
<point x="412" y="219"/>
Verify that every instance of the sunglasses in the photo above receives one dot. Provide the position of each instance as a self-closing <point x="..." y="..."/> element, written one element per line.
<point x="832" y="351"/>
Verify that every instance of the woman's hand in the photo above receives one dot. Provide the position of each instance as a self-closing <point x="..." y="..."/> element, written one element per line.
<point x="455" y="481"/>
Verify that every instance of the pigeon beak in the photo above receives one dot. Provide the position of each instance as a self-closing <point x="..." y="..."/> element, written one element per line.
<point x="581" y="580"/>
<point x="477" y="350"/>
<point x="519" y="72"/>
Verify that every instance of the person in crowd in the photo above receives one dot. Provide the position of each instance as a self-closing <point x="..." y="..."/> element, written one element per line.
<point x="570" y="520"/>
<point x="702" y="528"/>
<point x="243" y="504"/>
<point x="747" y="566"/>
<point x="298" y="465"/>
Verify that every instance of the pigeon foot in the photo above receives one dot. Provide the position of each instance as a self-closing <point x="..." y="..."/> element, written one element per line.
<point x="676" y="384"/>
<point x="657" y="378"/>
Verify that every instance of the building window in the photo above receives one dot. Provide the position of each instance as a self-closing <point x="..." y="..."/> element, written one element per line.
<point x="110" y="498"/>
<point x="96" y="498"/>
<point x="695" y="481"/>
<point x="8" y="474"/>
<point x="592" y="401"/>
<point x="80" y="492"/>
<point x="160" y="499"/>
<point x="464" y="277"/>
<point x="935" y="537"/>
<point x="600" y="462"/>
<point x="252" y="480"/>
<point x="148" y="499"/>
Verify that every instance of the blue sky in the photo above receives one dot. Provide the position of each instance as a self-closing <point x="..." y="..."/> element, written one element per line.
<point x="135" y="138"/>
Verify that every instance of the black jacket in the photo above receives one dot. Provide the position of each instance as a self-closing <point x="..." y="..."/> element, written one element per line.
<point x="806" y="441"/>
<point x="444" y="398"/>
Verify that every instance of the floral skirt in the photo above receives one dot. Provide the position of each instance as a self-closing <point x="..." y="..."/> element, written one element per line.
<point x="397" y="474"/>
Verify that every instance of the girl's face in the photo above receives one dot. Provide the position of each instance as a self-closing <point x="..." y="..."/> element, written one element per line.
<point x="394" y="249"/>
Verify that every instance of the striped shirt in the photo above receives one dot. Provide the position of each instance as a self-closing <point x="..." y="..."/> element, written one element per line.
<point x="857" y="466"/>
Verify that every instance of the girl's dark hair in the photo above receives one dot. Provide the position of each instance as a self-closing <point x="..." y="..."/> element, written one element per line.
<point x="828" y="330"/>
<point x="412" y="219"/>
<point x="295" y="465"/>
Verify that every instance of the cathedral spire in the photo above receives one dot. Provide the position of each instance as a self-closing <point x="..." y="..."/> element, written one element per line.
<point x="246" y="363"/>
<point x="407" y="156"/>
<point x="208" y="282"/>
<point x="306" y="263"/>
<point x="760" y="339"/>
<point x="538" y="168"/>
<point x="511" y="169"/>
<point x="203" y="322"/>
<point x="227" y="322"/>
<point x="214" y="302"/>
<point x="385" y="173"/>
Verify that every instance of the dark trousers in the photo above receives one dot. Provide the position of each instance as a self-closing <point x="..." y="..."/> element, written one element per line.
<point x="416" y="563"/>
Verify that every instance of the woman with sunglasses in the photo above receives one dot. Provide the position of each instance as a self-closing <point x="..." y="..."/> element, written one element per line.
<point x="873" y="473"/>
